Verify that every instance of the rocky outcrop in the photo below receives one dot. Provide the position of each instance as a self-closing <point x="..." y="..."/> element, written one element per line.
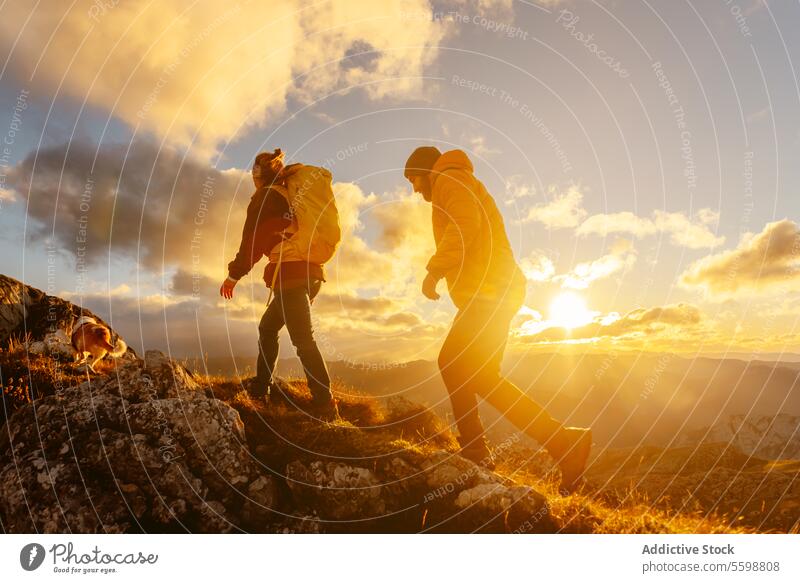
<point x="775" y="437"/>
<point x="45" y="321"/>
<point x="438" y="492"/>
<point x="146" y="450"/>
<point x="15" y="301"/>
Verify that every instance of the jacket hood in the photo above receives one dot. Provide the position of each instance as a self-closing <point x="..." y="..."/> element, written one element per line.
<point x="454" y="159"/>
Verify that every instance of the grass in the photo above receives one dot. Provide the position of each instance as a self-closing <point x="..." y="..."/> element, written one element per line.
<point x="368" y="431"/>
<point x="25" y="376"/>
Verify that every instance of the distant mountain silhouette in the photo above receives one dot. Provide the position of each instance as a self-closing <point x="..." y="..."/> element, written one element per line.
<point x="628" y="400"/>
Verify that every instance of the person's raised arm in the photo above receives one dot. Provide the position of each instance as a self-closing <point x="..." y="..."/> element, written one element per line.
<point x="247" y="255"/>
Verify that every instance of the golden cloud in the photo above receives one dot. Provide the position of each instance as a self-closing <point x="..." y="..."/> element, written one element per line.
<point x="198" y="73"/>
<point x="388" y="246"/>
<point x="563" y="211"/>
<point x="537" y="266"/>
<point x="684" y="231"/>
<point x="639" y="322"/>
<point x="621" y="258"/>
<point x="765" y="262"/>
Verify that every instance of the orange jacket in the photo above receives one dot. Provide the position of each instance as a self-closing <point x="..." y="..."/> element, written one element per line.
<point x="472" y="249"/>
<point x="267" y="216"/>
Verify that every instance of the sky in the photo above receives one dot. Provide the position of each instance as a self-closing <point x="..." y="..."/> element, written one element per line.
<point x="643" y="154"/>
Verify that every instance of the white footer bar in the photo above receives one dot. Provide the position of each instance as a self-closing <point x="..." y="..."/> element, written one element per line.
<point x="390" y="558"/>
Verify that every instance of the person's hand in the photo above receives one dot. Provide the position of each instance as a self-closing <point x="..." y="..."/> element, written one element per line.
<point x="226" y="289"/>
<point x="429" y="287"/>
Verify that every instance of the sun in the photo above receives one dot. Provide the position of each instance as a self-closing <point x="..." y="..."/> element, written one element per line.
<point x="569" y="310"/>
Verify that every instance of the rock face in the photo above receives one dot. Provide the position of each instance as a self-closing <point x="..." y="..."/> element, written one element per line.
<point x="16" y="300"/>
<point x="145" y="448"/>
<point x="46" y="319"/>
<point x="440" y="492"/>
<point x="144" y="451"/>
<point x="338" y="490"/>
<point x="769" y="437"/>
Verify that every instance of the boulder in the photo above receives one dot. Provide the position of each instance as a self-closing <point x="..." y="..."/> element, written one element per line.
<point x="56" y="344"/>
<point x="144" y="450"/>
<point x="523" y="509"/>
<point x="336" y="491"/>
<point x="43" y="320"/>
<point x="439" y="492"/>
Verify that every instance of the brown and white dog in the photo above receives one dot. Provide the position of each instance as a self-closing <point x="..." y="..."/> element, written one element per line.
<point x="92" y="339"/>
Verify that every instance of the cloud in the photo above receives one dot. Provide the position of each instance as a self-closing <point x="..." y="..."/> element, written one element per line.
<point x="622" y="257"/>
<point x="691" y="233"/>
<point x="404" y="222"/>
<point x="140" y="201"/>
<point x="766" y="262"/>
<point x="617" y="223"/>
<point x="563" y="211"/>
<point x="642" y="322"/>
<point x="537" y="266"/>
<point x="199" y="73"/>
<point x="353" y="305"/>
<point x="386" y="248"/>
<point x="518" y="189"/>
<point x="687" y="233"/>
<point x="375" y="315"/>
<point x="480" y="148"/>
<point x="169" y="212"/>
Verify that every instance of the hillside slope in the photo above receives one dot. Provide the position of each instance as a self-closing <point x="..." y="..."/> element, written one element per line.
<point x="147" y="446"/>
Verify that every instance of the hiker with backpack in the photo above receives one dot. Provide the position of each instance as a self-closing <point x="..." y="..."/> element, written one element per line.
<point x="293" y="220"/>
<point x="474" y="256"/>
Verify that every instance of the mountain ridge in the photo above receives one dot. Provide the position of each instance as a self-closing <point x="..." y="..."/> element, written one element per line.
<point x="149" y="446"/>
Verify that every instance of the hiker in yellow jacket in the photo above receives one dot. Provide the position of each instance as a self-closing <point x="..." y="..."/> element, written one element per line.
<point x="474" y="256"/>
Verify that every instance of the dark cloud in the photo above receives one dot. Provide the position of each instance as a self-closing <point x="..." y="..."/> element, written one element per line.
<point x="141" y="201"/>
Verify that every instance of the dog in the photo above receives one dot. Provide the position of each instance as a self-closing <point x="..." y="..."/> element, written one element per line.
<point x="92" y="339"/>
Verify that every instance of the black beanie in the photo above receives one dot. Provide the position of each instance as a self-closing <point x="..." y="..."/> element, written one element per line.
<point x="422" y="160"/>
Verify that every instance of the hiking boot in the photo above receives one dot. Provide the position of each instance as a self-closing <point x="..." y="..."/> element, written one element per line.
<point x="324" y="410"/>
<point x="276" y="395"/>
<point x="570" y="449"/>
<point x="255" y="389"/>
<point x="478" y="452"/>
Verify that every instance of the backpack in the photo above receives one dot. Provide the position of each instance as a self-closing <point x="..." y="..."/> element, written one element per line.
<point x="317" y="232"/>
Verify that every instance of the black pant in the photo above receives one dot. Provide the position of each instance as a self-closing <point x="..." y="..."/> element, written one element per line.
<point x="292" y="308"/>
<point x="470" y="361"/>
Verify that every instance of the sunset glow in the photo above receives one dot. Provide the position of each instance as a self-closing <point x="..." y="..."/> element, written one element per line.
<point x="569" y="310"/>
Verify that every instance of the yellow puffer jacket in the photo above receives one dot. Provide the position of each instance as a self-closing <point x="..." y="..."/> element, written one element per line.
<point x="472" y="249"/>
